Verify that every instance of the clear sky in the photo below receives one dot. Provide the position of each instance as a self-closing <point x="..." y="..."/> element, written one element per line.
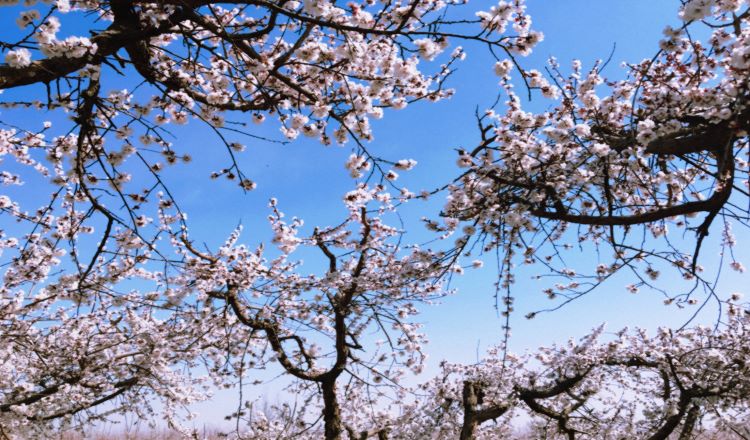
<point x="309" y="180"/>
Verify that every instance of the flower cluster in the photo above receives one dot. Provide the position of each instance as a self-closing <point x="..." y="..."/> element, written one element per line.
<point x="628" y="385"/>
<point x="664" y="150"/>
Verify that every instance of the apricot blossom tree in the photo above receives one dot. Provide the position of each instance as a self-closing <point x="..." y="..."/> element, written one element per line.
<point x="626" y="166"/>
<point x="109" y="305"/>
<point x="669" y="385"/>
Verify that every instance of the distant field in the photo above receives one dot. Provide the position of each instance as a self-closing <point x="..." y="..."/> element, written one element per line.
<point x="146" y="434"/>
<point x="140" y="434"/>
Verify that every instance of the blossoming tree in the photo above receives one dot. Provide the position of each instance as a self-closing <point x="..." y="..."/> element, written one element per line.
<point x="670" y="385"/>
<point x="98" y="315"/>
<point x="108" y="304"/>
<point x="619" y="162"/>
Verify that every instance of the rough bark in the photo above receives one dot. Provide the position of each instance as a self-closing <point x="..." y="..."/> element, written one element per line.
<point x="331" y="411"/>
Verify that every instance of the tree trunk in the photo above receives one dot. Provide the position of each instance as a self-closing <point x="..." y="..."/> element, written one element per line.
<point x="331" y="411"/>
<point x="470" y="401"/>
<point x="689" y="425"/>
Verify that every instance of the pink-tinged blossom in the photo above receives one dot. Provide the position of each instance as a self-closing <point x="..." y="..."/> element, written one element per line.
<point x="108" y="297"/>
<point x="18" y="58"/>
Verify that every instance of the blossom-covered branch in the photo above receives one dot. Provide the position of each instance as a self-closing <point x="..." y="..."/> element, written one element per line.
<point x="620" y="163"/>
<point x="624" y="385"/>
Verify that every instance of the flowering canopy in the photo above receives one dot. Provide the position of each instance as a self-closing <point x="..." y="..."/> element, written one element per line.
<point x="96" y="309"/>
<point x="107" y="305"/>
<point x="622" y="161"/>
<point x="632" y="386"/>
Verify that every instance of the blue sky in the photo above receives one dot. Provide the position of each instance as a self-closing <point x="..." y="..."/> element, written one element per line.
<point x="309" y="180"/>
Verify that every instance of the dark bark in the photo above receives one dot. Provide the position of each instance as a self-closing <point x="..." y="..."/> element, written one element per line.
<point x="671" y="422"/>
<point x="470" y="399"/>
<point x="331" y="411"/>
<point x="689" y="425"/>
<point x="473" y="415"/>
